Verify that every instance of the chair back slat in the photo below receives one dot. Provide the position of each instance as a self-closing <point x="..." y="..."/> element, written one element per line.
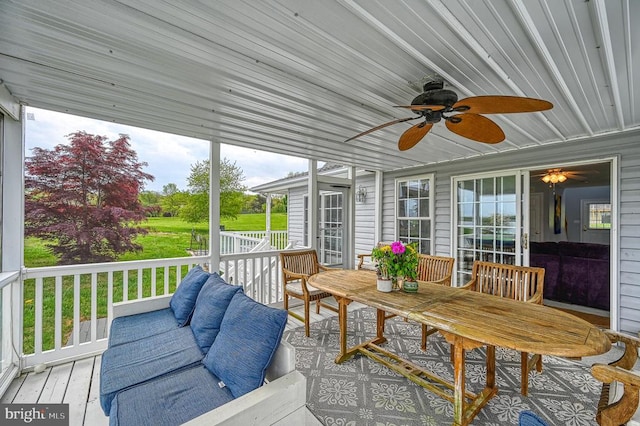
<point x="435" y="268"/>
<point x="522" y="283"/>
<point x="304" y="262"/>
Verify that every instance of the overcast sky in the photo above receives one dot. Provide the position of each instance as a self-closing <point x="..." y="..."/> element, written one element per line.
<point x="169" y="156"/>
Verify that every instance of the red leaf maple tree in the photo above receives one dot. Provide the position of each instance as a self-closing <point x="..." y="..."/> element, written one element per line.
<point x="82" y="198"/>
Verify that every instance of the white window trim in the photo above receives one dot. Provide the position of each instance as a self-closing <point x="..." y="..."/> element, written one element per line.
<point x="432" y="204"/>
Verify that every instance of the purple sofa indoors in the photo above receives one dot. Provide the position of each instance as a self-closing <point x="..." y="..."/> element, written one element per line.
<point x="576" y="273"/>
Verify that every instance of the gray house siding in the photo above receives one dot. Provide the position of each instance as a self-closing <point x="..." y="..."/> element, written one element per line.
<point x="629" y="259"/>
<point x="442" y="193"/>
<point x="295" y="214"/>
<point x="626" y="149"/>
<point x="365" y="221"/>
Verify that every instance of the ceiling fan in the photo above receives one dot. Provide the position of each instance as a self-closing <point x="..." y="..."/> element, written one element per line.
<point x="553" y="176"/>
<point x="462" y="117"/>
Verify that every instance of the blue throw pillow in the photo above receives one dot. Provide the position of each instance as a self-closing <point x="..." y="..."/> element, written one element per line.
<point x="211" y="305"/>
<point x="249" y="336"/>
<point x="184" y="299"/>
<point x="528" y="418"/>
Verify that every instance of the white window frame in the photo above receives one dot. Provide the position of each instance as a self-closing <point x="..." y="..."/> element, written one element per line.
<point x="431" y="218"/>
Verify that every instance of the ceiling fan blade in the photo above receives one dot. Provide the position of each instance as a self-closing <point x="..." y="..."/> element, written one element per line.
<point x="413" y="135"/>
<point x="583" y="172"/>
<point x="501" y="104"/>
<point x="476" y="127"/>
<point x="576" y="177"/>
<point x="400" y="120"/>
<point x="421" y="107"/>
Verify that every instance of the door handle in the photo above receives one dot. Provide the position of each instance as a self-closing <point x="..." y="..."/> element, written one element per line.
<point x="525" y="241"/>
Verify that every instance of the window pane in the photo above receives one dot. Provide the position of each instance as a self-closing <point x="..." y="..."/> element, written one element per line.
<point x="424" y="188"/>
<point x="402" y="210"/>
<point x="487" y="189"/>
<point x="425" y="228"/>
<point x="599" y="216"/>
<point x="424" y="207"/>
<point x="414" y="229"/>
<point x="402" y="190"/>
<point x="412" y="208"/>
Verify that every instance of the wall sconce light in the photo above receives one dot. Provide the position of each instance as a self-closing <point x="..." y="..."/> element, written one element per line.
<point x="361" y="194"/>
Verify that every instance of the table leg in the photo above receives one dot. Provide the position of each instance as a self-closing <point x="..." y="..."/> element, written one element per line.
<point x="380" y="317"/>
<point x="491" y="367"/>
<point x="463" y="412"/>
<point x="458" y="381"/>
<point x="380" y="323"/>
<point x="342" y="319"/>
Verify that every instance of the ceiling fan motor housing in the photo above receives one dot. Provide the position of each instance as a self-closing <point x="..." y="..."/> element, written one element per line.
<point x="434" y="94"/>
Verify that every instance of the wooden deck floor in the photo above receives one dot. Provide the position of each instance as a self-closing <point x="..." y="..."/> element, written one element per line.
<point x="78" y="384"/>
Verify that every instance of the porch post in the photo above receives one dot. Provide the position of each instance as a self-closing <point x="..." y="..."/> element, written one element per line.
<point x="268" y="217"/>
<point x="214" y="206"/>
<point x="350" y="251"/>
<point x="312" y="191"/>
<point x="377" y="207"/>
<point x="12" y="141"/>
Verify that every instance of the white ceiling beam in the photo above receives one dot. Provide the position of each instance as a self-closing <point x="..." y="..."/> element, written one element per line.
<point x="606" y="47"/>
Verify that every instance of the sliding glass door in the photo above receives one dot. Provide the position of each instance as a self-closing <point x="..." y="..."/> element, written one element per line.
<point x="489" y="220"/>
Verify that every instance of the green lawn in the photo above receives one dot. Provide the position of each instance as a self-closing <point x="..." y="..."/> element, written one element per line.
<point x="167" y="238"/>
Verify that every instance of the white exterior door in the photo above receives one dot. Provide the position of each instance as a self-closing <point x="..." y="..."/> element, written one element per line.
<point x="331" y="233"/>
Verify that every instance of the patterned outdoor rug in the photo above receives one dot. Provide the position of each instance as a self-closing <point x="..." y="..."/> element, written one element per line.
<point x="363" y="392"/>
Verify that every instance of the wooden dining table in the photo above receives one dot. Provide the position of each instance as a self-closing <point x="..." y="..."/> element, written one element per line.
<point x="467" y="319"/>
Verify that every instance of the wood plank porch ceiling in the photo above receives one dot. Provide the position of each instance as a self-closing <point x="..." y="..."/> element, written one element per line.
<point x="299" y="77"/>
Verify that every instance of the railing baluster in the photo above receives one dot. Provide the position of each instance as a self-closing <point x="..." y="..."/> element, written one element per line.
<point x="109" y="299"/>
<point x="140" y="271"/>
<point x="153" y="282"/>
<point x="125" y="285"/>
<point x="76" y="309"/>
<point x="58" y="313"/>
<point x="166" y="280"/>
<point x="37" y="306"/>
<point x="94" y="307"/>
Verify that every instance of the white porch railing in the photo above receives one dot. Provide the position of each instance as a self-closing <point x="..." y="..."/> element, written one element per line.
<point x="67" y="309"/>
<point x="245" y="241"/>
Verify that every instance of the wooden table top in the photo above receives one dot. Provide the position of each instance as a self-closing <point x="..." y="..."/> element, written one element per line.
<point x="487" y="319"/>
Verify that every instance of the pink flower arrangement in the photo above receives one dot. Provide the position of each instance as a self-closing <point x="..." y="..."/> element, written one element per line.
<point x="397" y="247"/>
<point x="396" y="260"/>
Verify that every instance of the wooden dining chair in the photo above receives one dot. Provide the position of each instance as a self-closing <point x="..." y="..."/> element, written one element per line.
<point x="618" y="404"/>
<point x="438" y="270"/>
<point x="297" y="267"/>
<point x="521" y="283"/>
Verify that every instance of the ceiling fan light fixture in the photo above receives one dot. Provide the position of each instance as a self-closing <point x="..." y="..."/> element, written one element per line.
<point x="554" y="176"/>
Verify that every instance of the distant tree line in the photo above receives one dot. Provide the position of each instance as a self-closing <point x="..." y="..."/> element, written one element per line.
<point x="192" y="204"/>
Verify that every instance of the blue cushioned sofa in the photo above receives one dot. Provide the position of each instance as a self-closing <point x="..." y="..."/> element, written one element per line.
<point x="206" y="355"/>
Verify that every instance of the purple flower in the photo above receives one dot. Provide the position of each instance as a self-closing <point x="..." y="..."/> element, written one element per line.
<point x="397" y="247"/>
